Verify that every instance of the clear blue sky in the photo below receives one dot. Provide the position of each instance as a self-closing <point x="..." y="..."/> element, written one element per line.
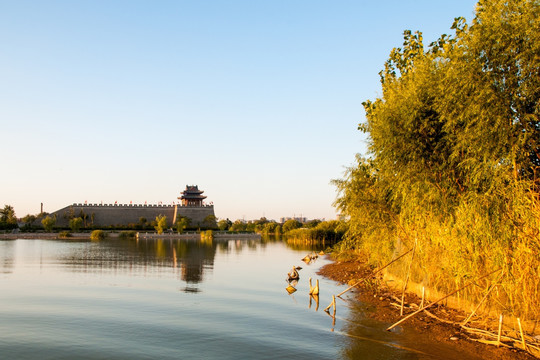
<point x="257" y="102"/>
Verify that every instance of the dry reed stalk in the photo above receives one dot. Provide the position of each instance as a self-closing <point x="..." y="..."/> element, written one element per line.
<point x="407" y="278"/>
<point x="439" y="300"/>
<point x="423" y="295"/>
<point x="479" y="304"/>
<point x="500" y="328"/>
<point x="376" y="272"/>
<point x="521" y="333"/>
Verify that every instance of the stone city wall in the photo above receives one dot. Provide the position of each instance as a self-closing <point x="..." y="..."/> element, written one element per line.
<point x="123" y="215"/>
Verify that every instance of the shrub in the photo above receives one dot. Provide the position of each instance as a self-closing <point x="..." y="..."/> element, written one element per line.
<point x="64" y="234"/>
<point x="127" y="234"/>
<point x="97" y="235"/>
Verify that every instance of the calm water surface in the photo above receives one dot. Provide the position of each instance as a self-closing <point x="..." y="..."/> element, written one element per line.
<point x="174" y="299"/>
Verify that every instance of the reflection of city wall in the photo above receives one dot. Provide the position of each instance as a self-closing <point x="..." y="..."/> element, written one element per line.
<point x="114" y="214"/>
<point x="191" y="257"/>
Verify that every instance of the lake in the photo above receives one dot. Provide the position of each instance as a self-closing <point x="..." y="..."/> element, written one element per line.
<point x="180" y="299"/>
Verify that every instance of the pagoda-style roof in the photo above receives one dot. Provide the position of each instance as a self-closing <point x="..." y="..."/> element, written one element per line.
<point x="192" y="193"/>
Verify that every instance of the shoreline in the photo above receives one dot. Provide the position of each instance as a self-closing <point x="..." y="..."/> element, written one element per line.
<point x="438" y="325"/>
<point x="140" y="235"/>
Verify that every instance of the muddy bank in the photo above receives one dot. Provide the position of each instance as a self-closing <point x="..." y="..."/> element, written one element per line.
<point x="381" y="304"/>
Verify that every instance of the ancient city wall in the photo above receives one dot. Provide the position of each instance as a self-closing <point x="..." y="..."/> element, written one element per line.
<point x="123" y="215"/>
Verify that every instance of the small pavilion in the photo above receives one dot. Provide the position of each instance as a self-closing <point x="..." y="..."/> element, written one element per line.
<point x="192" y="196"/>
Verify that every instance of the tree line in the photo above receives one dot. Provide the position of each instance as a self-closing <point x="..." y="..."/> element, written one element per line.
<point x="313" y="230"/>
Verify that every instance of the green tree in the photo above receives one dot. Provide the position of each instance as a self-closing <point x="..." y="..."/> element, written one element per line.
<point x="291" y="224"/>
<point x="48" y="223"/>
<point x="75" y="224"/>
<point x="224" y="225"/>
<point x="209" y="222"/>
<point x="7" y="217"/>
<point x="182" y="223"/>
<point x="238" y="225"/>
<point x="269" y="228"/>
<point x="312" y="223"/>
<point x="161" y="223"/>
<point x="29" y="219"/>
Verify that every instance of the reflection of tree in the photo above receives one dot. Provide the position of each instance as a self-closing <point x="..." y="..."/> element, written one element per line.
<point x="6" y="257"/>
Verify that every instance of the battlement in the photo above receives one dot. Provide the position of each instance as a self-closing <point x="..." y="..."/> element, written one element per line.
<point x="141" y="205"/>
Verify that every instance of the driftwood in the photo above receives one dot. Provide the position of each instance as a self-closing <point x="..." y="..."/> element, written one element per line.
<point x="439" y="300"/>
<point x="376" y="272"/>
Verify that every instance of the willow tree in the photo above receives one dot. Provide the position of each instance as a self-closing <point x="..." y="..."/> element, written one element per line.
<point x="454" y="150"/>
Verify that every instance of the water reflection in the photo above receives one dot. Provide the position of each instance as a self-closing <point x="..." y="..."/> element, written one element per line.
<point x="316" y="299"/>
<point x="192" y="258"/>
<point x="6" y="256"/>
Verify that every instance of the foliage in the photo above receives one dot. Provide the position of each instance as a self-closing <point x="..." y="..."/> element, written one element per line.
<point x="127" y="234"/>
<point x="224" y="225"/>
<point x="291" y="224"/>
<point x="64" y="234"/>
<point x="312" y="223"/>
<point x="454" y="154"/>
<point x="209" y="222"/>
<point x="98" y="235"/>
<point x="239" y="225"/>
<point x="331" y="231"/>
<point x="75" y="224"/>
<point x="48" y="223"/>
<point x="29" y="219"/>
<point x="161" y="223"/>
<point x="182" y="223"/>
<point x="8" y="220"/>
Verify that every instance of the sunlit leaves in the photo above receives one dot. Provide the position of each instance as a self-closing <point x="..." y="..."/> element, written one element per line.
<point x="454" y="152"/>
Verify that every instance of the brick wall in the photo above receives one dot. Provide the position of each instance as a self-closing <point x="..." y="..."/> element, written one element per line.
<point x="123" y="215"/>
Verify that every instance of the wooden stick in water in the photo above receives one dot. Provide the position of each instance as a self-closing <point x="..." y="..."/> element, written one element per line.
<point x="379" y="270"/>
<point x="333" y="303"/>
<point x="441" y="299"/>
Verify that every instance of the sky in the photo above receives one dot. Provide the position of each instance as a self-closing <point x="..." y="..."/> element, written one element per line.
<point x="256" y="102"/>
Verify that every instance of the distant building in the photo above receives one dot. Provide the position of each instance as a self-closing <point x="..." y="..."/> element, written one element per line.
<point x="123" y="215"/>
<point x="301" y="219"/>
